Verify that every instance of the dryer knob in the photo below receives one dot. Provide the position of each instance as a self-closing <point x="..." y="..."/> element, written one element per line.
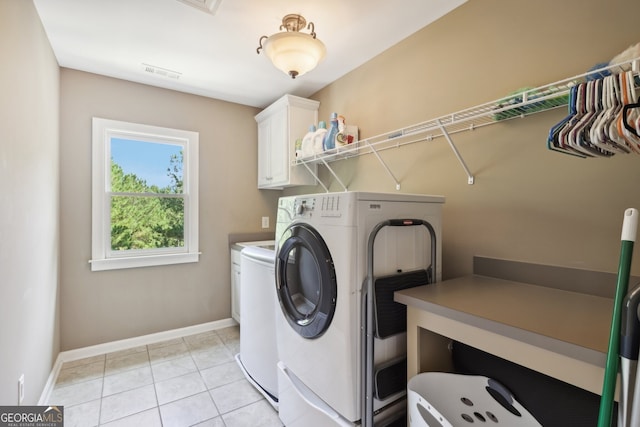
<point x="301" y="208"/>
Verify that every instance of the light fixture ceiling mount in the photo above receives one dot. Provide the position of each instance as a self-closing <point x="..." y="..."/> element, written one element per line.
<point x="292" y="51"/>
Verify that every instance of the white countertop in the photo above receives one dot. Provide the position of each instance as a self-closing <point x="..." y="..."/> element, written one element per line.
<point x="570" y="325"/>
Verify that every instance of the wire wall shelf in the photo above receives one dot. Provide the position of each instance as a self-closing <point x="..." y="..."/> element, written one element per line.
<point x="517" y="105"/>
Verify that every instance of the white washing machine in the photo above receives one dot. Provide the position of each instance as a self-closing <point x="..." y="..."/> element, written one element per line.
<point x="258" y="355"/>
<point x="321" y="265"/>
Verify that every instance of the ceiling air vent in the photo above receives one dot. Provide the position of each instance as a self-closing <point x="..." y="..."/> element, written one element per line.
<point x="209" y="6"/>
<point x="161" y="72"/>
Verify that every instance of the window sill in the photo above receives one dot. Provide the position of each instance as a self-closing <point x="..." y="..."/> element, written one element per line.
<point x="142" y="261"/>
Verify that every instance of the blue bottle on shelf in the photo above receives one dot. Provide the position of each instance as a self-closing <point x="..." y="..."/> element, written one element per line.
<point x="329" y="141"/>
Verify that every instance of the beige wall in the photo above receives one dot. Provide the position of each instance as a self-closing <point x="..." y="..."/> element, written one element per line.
<point x="29" y="171"/>
<point x="104" y="306"/>
<point x="528" y="203"/>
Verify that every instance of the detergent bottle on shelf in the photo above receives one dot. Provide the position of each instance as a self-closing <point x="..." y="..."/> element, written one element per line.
<point x="329" y="141"/>
<point x="318" y="138"/>
<point x="308" y="149"/>
<point x="341" y="139"/>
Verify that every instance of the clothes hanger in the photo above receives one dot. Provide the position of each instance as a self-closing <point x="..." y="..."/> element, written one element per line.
<point x="569" y="135"/>
<point x="593" y="107"/>
<point x="553" y="140"/>
<point x="632" y="138"/>
<point x="596" y="132"/>
<point x="616" y="105"/>
<point x="621" y="97"/>
<point x="610" y="127"/>
<point x="603" y="105"/>
<point x="626" y="120"/>
<point x="606" y="105"/>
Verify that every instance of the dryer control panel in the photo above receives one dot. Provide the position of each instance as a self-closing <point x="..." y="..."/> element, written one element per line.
<point x="304" y="207"/>
<point x="325" y="206"/>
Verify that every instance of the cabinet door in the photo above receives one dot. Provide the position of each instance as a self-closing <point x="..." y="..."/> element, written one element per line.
<point x="235" y="285"/>
<point x="279" y="156"/>
<point x="235" y="293"/>
<point x="264" y="154"/>
<point x="273" y="153"/>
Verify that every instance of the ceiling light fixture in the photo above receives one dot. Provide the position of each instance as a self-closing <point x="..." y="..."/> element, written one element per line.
<point x="293" y="52"/>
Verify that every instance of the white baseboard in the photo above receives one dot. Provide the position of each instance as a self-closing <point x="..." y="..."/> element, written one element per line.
<point x="110" y="347"/>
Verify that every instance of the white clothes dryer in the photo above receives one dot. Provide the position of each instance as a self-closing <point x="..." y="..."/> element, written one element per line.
<point x="321" y="265"/>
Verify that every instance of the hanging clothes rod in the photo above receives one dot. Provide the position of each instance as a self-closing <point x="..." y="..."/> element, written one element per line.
<point x="518" y="105"/>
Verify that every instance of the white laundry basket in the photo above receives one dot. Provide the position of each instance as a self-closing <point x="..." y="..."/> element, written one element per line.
<point x="438" y="399"/>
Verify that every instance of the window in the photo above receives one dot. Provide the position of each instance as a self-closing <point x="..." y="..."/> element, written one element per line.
<point x="144" y="195"/>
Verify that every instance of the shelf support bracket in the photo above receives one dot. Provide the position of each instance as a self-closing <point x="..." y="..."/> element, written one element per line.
<point x="382" y="162"/>
<point x="326" y="190"/>
<point x="470" y="178"/>
<point x="344" y="187"/>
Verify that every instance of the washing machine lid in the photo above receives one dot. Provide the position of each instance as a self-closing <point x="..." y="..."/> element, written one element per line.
<point x="259" y="253"/>
<point x="305" y="280"/>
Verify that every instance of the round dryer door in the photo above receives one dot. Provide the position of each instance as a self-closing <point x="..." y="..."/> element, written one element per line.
<point x="305" y="280"/>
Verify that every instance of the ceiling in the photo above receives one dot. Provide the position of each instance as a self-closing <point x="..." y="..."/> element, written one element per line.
<point x="213" y="53"/>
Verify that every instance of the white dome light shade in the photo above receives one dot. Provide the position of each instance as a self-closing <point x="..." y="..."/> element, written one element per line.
<point x="291" y="51"/>
<point x="294" y="53"/>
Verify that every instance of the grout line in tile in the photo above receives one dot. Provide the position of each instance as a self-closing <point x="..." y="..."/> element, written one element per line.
<point x="226" y="339"/>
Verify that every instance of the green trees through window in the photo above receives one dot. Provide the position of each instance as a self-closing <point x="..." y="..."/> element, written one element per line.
<point x="147" y="215"/>
<point x="144" y="195"/>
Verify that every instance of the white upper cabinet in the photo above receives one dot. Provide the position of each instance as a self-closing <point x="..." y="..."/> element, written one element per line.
<point x="279" y="126"/>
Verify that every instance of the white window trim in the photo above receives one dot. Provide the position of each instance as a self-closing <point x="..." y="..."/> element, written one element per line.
<point x="102" y="258"/>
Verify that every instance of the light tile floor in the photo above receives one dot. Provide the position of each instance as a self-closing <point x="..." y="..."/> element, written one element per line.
<point x="188" y="381"/>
